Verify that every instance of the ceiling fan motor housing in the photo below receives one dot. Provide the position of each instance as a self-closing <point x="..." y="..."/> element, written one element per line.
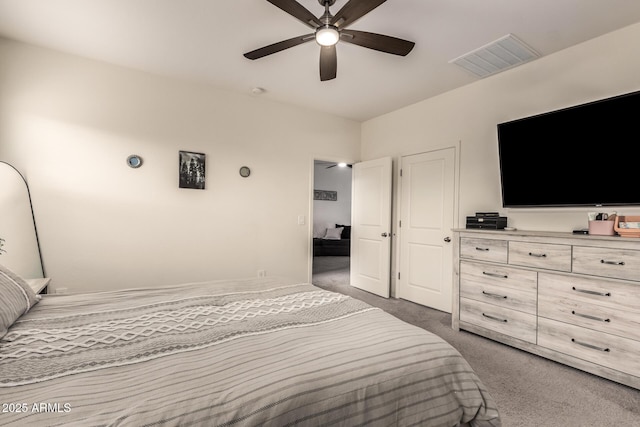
<point x="323" y="2"/>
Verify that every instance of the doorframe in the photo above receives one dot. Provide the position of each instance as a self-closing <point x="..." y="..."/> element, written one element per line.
<point x="397" y="200"/>
<point x="312" y="171"/>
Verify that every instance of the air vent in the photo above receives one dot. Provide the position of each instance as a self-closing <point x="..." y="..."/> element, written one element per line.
<point x="504" y="53"/>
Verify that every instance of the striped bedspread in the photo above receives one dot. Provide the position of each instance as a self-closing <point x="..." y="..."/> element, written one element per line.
<point x="257" y="352"/>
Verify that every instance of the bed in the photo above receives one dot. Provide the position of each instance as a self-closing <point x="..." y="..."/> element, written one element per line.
<point x="332" y="241"/>
<point x="267" y="352"/>
<point x="326" y="247"/>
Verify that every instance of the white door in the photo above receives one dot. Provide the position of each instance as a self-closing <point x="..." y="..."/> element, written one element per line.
<point x="371" y="226"/>
<point x="427" y="217"/>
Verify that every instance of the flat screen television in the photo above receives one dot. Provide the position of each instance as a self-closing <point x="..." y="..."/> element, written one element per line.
<point x="586" y="155"/>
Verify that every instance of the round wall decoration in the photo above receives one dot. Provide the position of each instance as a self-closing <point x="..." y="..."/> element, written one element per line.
<point x="245" y="171"/>
<point x="134" y="161"/>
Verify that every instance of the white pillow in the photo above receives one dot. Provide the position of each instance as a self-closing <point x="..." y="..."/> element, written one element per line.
<point x="319" y="231"/>
<point x="333" y="233"/>
<point x="17" y="298"/>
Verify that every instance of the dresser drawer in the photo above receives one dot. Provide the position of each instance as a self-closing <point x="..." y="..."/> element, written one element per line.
<point x="616" y="263"/>
<point x="605" y="306"/>
<point x="540" y="255"/>
<point x="483" y="249"/>
<point x="500" y="285"/>
<point x="607" y="293"/>
<point x="603" y="349"/>
<point x="499" y="319"/>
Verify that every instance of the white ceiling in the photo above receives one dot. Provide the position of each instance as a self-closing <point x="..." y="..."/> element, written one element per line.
<point x="204" y="40"/>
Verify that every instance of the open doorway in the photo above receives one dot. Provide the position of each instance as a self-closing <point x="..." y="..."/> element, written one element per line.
<point x="331" y="223"/>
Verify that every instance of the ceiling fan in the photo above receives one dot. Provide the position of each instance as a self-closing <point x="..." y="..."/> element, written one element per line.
<point x="329" y="29"/>
<point x="342" y="165"/>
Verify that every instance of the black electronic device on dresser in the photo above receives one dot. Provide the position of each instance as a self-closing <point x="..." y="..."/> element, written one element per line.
<point x="488" y="220"/>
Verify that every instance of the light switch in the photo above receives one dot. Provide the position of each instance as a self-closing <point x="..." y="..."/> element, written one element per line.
<point x="300" y="219"/>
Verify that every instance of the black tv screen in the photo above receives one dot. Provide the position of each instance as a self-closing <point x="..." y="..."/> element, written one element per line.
<point x="587" y="155"/>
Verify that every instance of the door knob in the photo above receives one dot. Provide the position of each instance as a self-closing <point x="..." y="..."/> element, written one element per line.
<point x="447" y="239"/>
<point x="384" y="234"/>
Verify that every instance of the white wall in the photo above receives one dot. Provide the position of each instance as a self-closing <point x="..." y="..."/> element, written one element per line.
<point x="326" y="214"/>
<point x="600" y="68"/>
<point x="68" y="124"/>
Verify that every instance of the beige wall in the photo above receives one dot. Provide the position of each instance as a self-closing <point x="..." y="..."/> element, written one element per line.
<point x="68" y="124"/>
<point x="600" y="68"/>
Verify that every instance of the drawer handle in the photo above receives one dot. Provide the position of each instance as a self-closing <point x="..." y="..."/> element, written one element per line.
<point x="482" y="249"/>
<point x="586" y="291"/>
<point x="591" y="346"/>
<point x="489" y="294"/>
<point x="538" y="255"/>
<point x="604" y="261"/>
<point x="502" y="276"/>
<point x="497" y="319"/>
<point x="587" y="316"/>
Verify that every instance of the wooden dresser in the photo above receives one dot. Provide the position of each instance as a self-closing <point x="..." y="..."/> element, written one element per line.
<point x="571" y="298"/>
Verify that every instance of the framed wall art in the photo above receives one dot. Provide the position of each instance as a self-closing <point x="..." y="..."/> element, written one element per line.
<point x="191" y="169"/>
<point x="331" y="196"/>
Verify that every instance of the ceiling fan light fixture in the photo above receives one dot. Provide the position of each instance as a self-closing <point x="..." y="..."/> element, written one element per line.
<point x="342" y="165"/>
<point x="327" y="35"/>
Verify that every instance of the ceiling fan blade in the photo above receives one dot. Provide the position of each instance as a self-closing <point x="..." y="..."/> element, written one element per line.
<point x="354" y="10"/>
<point x="332" y="166"/>
<point x="277" y="47"/>
<point x="378" y="42"/>
<point x="298" y="11"/>
<point x="328" y="62"/>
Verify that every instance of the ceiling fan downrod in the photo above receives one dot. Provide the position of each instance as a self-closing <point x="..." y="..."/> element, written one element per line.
<point x="327" y="34"/>
<point x="326" y="17"/>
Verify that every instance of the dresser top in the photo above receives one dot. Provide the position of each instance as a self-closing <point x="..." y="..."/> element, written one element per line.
<point x="579" y="239"/>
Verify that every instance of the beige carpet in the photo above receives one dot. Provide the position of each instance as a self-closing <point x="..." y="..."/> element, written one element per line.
<point x="529" y="390"/>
